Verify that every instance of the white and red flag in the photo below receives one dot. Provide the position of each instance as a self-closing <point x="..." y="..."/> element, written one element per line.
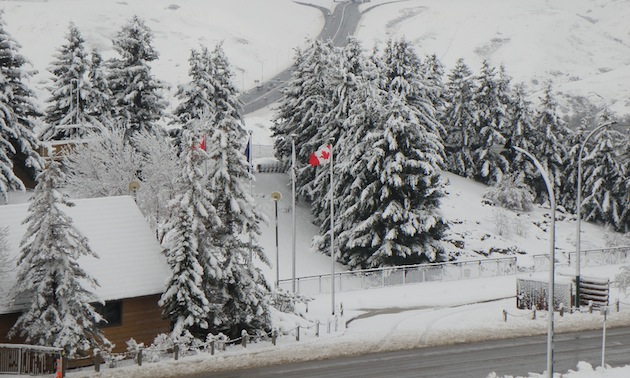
<point x="321" y="156"/>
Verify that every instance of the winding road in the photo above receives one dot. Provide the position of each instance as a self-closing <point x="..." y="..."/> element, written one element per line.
<point x="338" y="27"/>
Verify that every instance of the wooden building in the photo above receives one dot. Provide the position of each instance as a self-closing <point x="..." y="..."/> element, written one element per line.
<point x="131" y="269"/>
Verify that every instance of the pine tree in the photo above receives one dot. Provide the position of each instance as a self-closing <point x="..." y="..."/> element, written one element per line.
<point x="605" y="175"/>
<point x="574" y="141"/>
<point x="60" y="313"/>
<point x="489" y="119"/>
<point x="246" y="304"/>
<point x="196" y="96"/>
<point x="400" y="199"/>
<point x="196" y="262"/>
<point x="8" y="179"/>
<point x="301" y="112"/>
<point x="549" y="146"/>
<point x="519" y="127"/>
<point x="99" y="102"/>
<point x="136" y="93"/>
<point x="66" y="116"/>
<point x="345" y="79"/>
<point x="351" y="173"/>
<point x="184" y="301"/>
<point x="460" y="139"/>
<point x="433" y="79"/>
<point x="18" y="114"/>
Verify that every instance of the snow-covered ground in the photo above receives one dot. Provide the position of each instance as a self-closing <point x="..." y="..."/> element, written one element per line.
<point x="583" y="45"/>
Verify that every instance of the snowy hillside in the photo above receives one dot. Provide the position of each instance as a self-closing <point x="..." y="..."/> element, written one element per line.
<point x="474" y="226"/>
<point x="582" y="45"/>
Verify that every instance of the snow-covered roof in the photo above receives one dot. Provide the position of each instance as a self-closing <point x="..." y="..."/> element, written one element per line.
<point x="130" y="262"/>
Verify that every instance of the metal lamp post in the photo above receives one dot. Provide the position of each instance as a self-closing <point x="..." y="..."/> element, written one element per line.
<point x="552" y="249"/>
<point x="578" y="205"/>
<point x="276" y="196"/>
<point x="294" y="236"/>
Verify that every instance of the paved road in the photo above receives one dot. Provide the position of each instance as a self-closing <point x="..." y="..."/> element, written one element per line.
<point x="338" y="26"/>
<point x="505" y="357"/>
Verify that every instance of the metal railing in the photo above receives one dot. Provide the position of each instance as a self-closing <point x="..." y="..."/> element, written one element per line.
<point x="403" y="275"/>
<point x="448" y="271"/>
<point x="588" y="258"/>
<point x="28" y="359"/>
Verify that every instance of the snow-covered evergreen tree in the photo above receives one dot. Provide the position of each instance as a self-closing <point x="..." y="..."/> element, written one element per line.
<point x="519" y="127"/>
<point x="137" y="94"/>
<point x="345" y="78"/>
<point x="49" y="274"/>
<point x="99" y="102"/>
<point x="573" y="142"/>
<point x="605" y="175"/>
<point x="460" y="139"/>
<point x="196" y="96"/>
<point x="246" y="305"/>
<point x="66" y="116"/>
<point x="351" y="173"/>
<point x="193" y="298"/>
<point x="489" y="123"/>
<point x="301" y="113"/>
<point x="433" y="79"/>
<point x="17" y="102"/>
<point x="549" y="143"/>
<point x="400" y="197"/>
<point x="8" y="179"/>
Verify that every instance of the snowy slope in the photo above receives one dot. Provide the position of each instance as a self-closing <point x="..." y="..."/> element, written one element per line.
<point x="582" y="45"/>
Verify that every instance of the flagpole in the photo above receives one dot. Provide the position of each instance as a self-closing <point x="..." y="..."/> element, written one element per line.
<point x="332" y="232"/>
<point x="293" y="174"/>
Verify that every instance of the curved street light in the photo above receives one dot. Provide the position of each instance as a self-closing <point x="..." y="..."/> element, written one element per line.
<point x="552" y="247"/>
<point x="578" y="205"/>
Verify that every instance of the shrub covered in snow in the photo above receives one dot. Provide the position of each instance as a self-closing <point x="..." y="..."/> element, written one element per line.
<point x="511" y="192"/>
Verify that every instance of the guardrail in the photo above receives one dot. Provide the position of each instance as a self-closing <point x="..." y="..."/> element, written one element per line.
<point x="28" y="359"/>
<point x="447" y="271"/>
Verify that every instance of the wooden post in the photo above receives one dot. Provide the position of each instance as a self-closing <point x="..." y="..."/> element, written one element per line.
<point x="274" y="335"/>
<point x="176" y="352"/>
<point x="140" y="357"/>
<point x="297" y="334"/>
<point x="317" y="328"/>
<point x="505" y="316"/>
<point x="212" y="347"/>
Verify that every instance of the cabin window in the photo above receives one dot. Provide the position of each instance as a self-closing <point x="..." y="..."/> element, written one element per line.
<point x="111" y="312"/>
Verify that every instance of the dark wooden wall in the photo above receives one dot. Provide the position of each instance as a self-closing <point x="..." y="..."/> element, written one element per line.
<point x="141" y="320"/>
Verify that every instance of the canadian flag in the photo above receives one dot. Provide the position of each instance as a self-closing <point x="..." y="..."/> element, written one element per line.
<point x="202" y="145"/>
<point x="321" y="156"/>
